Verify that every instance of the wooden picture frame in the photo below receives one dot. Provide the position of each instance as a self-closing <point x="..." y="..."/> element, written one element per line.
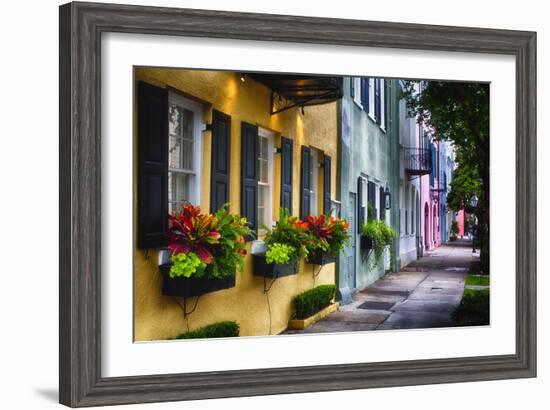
<point x="81" y="27"/>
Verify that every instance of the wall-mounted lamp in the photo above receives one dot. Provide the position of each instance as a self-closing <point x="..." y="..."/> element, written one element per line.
<point x="243" y="79"/>
<point x="387" y="198"/>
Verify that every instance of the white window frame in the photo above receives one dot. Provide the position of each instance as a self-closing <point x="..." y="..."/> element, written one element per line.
<point x="383" y="104"/>
<point x="314" y="190"/>
<point x="365" y="196"/>
<point x="371" y="99"/>
<point x="357" y="91"/>
<point x="198" y="126"/>
<point x="270" y="136"/>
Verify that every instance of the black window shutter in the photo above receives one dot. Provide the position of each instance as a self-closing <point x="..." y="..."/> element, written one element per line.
<point x="377" y="106"/>
<point x="382" y="205"/>
<point x="249" y="175"/>
<point x="219" y="179"/>
<point x="327" y="170"/>
<point x="365" y="93"/>
<point x="305" y="183"/>
<point x="360" y="205"/>
<point x="152" y="166"/>
<point x="371" y="193"/>
<point x="287" y="147"/>
<point x="352" y="86"/>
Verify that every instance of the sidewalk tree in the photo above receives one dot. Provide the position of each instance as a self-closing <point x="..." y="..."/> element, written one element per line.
<point x="464" y="185"/>
<point x="459" y="113"/>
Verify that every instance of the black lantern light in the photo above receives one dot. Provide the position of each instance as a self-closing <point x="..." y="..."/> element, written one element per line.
<point x="387" y="198"/>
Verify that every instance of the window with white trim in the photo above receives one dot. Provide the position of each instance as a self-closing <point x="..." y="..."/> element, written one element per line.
<point x="371" y="98"/>
<point x="314" y="191"/>
<point x="184" y="138"/>
<point x="357" y="91"/>
<point x="382" y="104"/>
<point x="265" y="179"/>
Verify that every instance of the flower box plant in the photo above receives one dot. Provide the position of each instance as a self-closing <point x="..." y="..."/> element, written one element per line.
<point x="207" y="250"/>
<point x="285" y="245"/>
<point x="376" y="235"/>
<point x="328" y="236"/>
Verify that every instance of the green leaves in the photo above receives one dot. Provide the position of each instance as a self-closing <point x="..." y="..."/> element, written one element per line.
<point x="186" y="265"/>
<point x="227" y="328"/>
<point x="279" y="253"/>
<point x="312" y="301"/>
<point x="464" y="185"/>
<point x="217" y="240"/>
<point x="381" y="235"/>
<point x="289" y="230"/>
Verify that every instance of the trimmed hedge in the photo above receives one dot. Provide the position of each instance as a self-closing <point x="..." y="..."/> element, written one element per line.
<point x="219" y="329"/>
<point x="312" y="301"/>
<point x="473" y="309"/>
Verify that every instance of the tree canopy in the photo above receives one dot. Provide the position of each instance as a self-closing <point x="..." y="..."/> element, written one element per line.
<point x="459" y="112"/>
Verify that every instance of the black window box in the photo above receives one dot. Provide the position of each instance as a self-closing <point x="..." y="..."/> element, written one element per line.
<point x="188" y="287"/>
<point x="273" y="270"/>
<point x="320" y="257"/>
<point x="366" y="242"/>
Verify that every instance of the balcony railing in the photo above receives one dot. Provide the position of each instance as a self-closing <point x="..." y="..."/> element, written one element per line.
<point x="417" y="161"/>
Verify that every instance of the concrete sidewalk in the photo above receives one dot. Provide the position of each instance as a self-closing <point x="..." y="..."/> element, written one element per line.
<point x="423" y="295"/>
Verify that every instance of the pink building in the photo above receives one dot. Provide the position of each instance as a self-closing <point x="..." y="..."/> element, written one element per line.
<point x="460" y="222"/>
<point x="430" y="217"/>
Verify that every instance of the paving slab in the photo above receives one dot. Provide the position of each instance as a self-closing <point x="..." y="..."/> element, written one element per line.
<point x="426" y="305"/>
<point x="328" y="326"/>
<point x="359" y="316"/>
<point x="419" y="320"/>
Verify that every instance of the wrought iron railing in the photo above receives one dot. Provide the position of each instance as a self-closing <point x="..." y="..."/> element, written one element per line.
<point x="418" y="161"/>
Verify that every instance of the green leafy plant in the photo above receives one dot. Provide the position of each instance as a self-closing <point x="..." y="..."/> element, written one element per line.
<point x="186" y="265"/>
<point x="473" y="309"/>
<point x="219" y="329"/>
<point x="313" y="300"/>
<point x="279" y="253"/>
<point x="206" y="245"/>
<point x="381" y="235"/>
<point x="371" y="213"/>
<point x="288" y="231"/>
<point x="327" y="234"/>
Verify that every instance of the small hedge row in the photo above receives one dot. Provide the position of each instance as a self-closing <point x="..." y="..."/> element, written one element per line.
<point x="473" y="309"/>
<point x="312" y="301"/>
<point x="219" y="329"/>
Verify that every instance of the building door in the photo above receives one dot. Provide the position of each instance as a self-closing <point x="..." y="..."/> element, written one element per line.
<point x="352" y="256"/>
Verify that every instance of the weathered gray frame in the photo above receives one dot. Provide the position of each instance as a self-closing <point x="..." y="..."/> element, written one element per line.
<point x="81" y="26"/>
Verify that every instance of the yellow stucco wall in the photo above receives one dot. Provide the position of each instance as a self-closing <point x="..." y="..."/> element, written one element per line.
<point x="159" y="317"/>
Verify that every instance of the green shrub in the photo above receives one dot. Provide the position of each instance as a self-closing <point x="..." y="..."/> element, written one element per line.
<point x="312" y="301"/>
<point x="220" y="329"/>
<point x="473" y="309"/>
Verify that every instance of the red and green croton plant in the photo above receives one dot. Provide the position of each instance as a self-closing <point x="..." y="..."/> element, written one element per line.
<point x="328" y="234"/>
<point x="206" y="245"/>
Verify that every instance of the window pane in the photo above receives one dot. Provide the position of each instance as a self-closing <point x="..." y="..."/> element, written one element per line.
<point x="181" y="140"/>
<point x="174" y="119"/>
<point x="179" y="190"/>
<point x="263" y="177"/>
<point x="263" y="205"/>
<point x="187" y="155"/>
<point x="263" y="147"/>
<point x="174" y="149"/>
